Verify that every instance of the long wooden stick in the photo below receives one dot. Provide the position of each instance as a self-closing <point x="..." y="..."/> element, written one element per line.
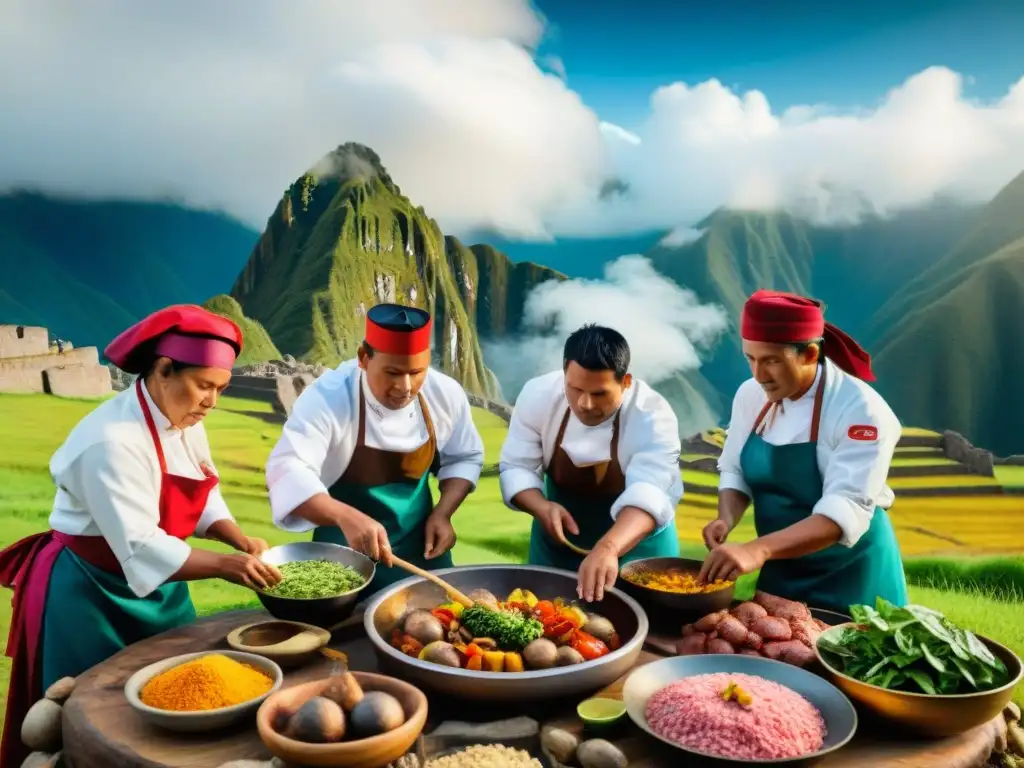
<point x="417" y="571"/>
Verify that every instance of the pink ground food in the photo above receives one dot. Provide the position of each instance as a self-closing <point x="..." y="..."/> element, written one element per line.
<point x="779" y="722"/>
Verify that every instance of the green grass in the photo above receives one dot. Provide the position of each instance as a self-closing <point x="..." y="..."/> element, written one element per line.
<point x="1010" y="476"/>
<point x="33" y="426"/>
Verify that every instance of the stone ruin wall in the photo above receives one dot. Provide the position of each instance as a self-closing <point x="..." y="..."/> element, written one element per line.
<point x="29" y="365"/>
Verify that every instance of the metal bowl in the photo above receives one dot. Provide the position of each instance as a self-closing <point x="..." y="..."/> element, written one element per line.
<point x="387" y="609"/>
<point x="939" y="716"/>
<point x="322" y="612"/>
<point x="673" y="606"/>
<point x="836" y="710"/>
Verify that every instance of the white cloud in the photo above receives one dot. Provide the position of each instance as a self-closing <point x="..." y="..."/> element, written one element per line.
<point x="664" y="324"/>
<point x="224" y="104"/>
<point x="680" y="236"/>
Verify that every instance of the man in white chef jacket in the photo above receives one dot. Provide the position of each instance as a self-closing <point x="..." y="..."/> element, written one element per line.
<point x="592" y="454"/>
<point x="355" y="456"/>
<point x="809" y="444"/>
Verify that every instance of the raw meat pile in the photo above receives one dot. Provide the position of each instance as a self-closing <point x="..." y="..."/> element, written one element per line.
<point x="778" y="723"/>
<point x="769" y="626"/>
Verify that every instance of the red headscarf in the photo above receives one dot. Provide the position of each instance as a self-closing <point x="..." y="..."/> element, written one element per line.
<point x="786" y="318"/>
<point x="398" y="330"/>
<point x="184" y="332"/>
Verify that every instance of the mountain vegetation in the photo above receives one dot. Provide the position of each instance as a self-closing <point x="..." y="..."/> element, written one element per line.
<point x="257" y="346"/>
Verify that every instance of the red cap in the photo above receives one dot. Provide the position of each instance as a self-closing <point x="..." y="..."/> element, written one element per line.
<point x="195" y="333"/>
<point x="398" y="330"/>
<point x="776" y="317"/>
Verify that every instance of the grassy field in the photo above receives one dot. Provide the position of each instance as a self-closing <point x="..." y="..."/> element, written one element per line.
<point x="982" y="594"/>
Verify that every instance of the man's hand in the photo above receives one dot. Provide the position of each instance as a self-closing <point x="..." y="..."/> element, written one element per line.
<point x="556" y="520"/>
<point x="730" y="561"/>
<point x="440" y="535"/>
<point x="715" y="533"/>
<point x="253" y="546"/>
<point x="364" y="533"/>
<point x="249" y="571"/>
<point x="598" y="572"/>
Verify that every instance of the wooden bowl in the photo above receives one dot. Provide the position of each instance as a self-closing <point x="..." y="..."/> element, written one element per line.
<point x="938" y="716"/>
<point x="372" y="752"/>
<point x="289" y="643"/>
<point x="202" y="720"/>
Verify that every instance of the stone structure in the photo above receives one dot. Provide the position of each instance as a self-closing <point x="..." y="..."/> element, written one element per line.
<point x="958" y="448"/>
<point x="29" y="364"/>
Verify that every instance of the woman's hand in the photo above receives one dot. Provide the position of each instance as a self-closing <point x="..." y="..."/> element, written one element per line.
<point x="440" y="535"/>
<point x="249" y="571"/>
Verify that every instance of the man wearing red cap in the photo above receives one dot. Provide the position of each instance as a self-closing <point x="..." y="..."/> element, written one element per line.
<point x="810" y="444"/>
<point x="134" y="481"/>
<point x="354" y="459"/>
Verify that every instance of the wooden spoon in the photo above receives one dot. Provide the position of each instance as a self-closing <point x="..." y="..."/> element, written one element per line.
<point x="578" y="550"/>
<point x="417" y="571"/>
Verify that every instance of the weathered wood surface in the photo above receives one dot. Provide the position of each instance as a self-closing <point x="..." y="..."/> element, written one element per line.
<point x="101" y="730"/>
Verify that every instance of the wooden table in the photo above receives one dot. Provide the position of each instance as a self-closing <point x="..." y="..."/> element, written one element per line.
<point x="102" y="731"/>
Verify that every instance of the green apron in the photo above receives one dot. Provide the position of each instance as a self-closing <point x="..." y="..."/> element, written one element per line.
<point x="786" y="483"/>
<point x="394" y="489"/>
<point x="588" y="494"/>
<point x="97" y="615"/>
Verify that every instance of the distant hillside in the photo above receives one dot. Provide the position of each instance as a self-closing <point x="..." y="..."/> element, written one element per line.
<point x="86" y="270"/>
<point x="575" y="256"/>
<point x="344" y="238"/>
<point x="257" y="347"/>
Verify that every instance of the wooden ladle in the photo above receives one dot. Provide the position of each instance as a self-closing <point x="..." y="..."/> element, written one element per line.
<point x="415" y="570"/>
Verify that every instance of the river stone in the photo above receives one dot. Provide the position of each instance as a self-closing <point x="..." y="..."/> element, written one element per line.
<point x="40" y="731"/>
<point x="61" y="690"/>
<point x="41" y="760"/>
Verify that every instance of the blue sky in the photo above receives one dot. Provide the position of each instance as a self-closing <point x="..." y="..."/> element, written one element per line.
<point x="795" y="51"/>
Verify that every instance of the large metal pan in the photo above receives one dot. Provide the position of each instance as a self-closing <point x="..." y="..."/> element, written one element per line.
<point x="386" y="610"/>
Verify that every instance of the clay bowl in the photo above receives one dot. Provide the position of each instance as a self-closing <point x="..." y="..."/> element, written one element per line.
<point x="372" y="752"/>
<point x="673" y="607"/>
<point x="204" y="720"/>
<point x="289" y="643"/>
<point x="836" y="710"/>
<point x="937" y="716"/>
<point x="387" y="609"/>
<point x="323" y="612"/>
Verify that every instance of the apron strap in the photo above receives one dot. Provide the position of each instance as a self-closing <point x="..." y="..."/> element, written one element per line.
<point x="818" y="398"/>
<point x="427" y="421"/>
<point x="561" y="431"/>
<point x="361" y="434"/>
<point x="152" y="426"/>
<point x="614" y="454"/>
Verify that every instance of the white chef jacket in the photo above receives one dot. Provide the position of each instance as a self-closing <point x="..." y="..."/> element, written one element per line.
<point x="854" y="471"/>
<point x="648" y="445"/>
<point x="320" y="436"/>
<point x="108" y="484"/>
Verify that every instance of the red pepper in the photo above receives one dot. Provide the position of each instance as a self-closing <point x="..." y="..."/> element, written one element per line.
<point x="544" y="608"/>
<point x="558" y="627"/>
<point x="588" y="646"/>
<point x="521" y="607"/>
<point x="443" y="615"/>
<point x="474" y="650"/>
<point x="410" y="645"/>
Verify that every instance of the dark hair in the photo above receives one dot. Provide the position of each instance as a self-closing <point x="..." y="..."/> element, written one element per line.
<point x="370" y="351"/>
<point x="802" y="346"/>
<point x="597" y="348"/>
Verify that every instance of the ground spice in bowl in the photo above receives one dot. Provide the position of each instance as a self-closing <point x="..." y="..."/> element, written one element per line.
<point x="208" y="682"/>
<point x="485" y="756"/>
<point x="674" y="580"/>
<point x="312" y="579"/>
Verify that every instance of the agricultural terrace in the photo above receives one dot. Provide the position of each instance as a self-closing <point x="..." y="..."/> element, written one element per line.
<point x="952" y="530"/>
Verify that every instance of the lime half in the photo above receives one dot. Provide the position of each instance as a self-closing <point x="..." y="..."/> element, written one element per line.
<point x="600" y="710"/>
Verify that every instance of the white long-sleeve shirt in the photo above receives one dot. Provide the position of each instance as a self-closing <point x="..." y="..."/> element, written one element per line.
<point x="854" y="471"/>
<point x="108" y="484"/>
<point x="648" y="445"/>
<point x="320" y="436"/>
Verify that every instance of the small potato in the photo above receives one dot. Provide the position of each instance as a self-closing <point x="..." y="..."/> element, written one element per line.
<point x="568" y="656"/>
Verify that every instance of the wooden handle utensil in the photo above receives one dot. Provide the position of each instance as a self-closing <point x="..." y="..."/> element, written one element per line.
<point x="417" y="571"/>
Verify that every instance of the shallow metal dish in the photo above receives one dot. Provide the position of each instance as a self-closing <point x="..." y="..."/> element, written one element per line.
<point x="673" y="606"/>
<point x="937" y="716"/>
<point x="386" y="610"/>
<point x="836" y="710"/>
<point x="322" y="612"/>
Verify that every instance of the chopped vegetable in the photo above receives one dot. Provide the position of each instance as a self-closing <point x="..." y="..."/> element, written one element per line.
<point x="475" y="662"/>
<point x="510" y="630"/>
<point x="588" y="646"/>
<point x="912" y="648"/>
<point x="733" y="692"/>
<point x="310" y="579"/>
<point x="494" y="661"/>
<point x="523" y="597"/>
<point x="513" y="662"/>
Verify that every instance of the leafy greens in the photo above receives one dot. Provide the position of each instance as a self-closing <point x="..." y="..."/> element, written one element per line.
<point x="911" y="649"/>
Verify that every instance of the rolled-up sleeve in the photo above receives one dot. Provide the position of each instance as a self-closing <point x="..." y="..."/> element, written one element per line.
<point x="216" y="510"/>
<point x="463" y="453"/>
<point x="295" y="465"/>
<point x="522" y="453"/>
<point x="855" y="476"/>
<point x="653" y="479"/>
<point x="117" y="487"/>
<point x="741" y="421"/>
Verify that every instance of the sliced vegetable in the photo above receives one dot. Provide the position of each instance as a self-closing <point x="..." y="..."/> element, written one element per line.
<point x="494" y="661"/>
<point x="475" y="662"/>
<point x="443" y="615"/>
<point x="513" y="662"/>
<point x="588" y="646"/>
<point x="523" y="597"/>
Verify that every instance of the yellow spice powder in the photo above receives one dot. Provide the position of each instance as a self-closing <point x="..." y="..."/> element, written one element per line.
<point x="208" y="682"/>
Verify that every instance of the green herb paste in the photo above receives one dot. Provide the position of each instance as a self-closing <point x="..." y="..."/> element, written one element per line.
<point x="306" y="579"/>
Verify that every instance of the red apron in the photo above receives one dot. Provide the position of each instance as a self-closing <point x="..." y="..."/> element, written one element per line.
<point x="26" y="565"/>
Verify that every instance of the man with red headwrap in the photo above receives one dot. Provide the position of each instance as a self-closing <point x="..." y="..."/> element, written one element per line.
<point x="134" y="481"/>
<point x="810" y="444"/>
<point x="354" y="459"/>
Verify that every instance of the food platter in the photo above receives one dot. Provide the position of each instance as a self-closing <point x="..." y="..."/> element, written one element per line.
<point x="388" y="609"/>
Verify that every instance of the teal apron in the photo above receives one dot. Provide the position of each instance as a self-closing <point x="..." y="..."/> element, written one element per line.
<point x="394" y="489"/>
<point x="588" y="494"/>
<point x="785" y="483"/>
